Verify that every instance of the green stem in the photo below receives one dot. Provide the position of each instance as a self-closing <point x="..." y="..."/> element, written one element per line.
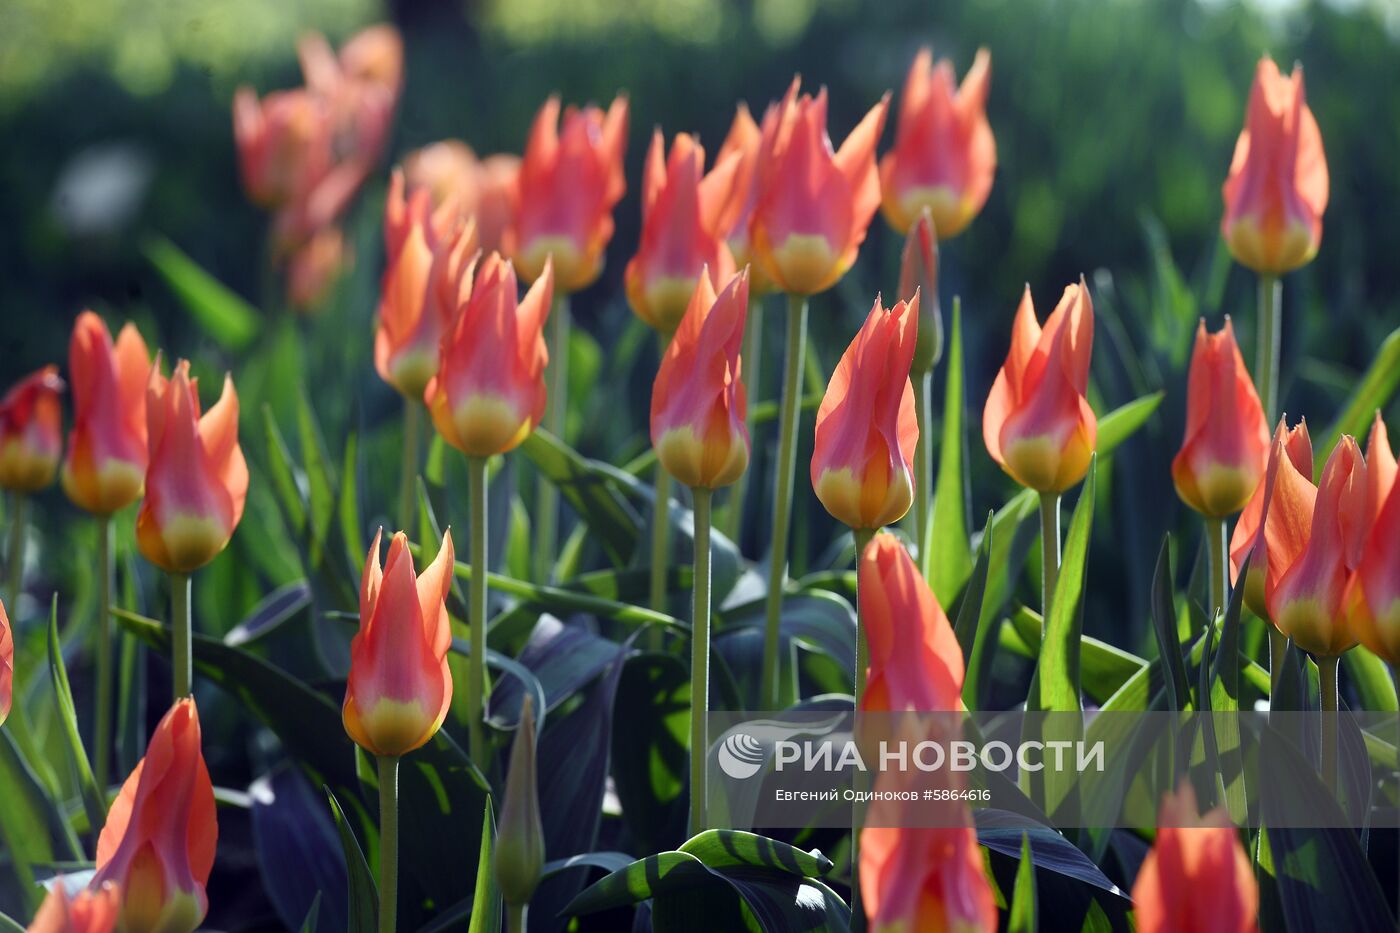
<point x="1049" y="551"/>
<point x="1328" y="701"/>
<point x="782" y="492"/>
<point x="660" y="537"/>
<point x="102" y="719"/>
<point x="408" y="473"/>
<point x="19" y="506"/>
<point x="181" y="639"/>
<point x="923" y="463"/>
<point x="750" y="356"/>
<point x="555" y="419"/>
<point x="388" y="843"/>
<point x="862" y="536"/>
<point x="515" y="917"/>
<point x="1267" y="349"/>
<point x="1219" y="581"/>
<point x="476" y="664"/>
<point x="700" y="661"/>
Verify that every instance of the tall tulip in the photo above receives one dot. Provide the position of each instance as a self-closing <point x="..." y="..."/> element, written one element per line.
<point x="161" y="832"/>
<point x="196" y="487"/>
<point x="944" y="154"/>
<point x="1373" y="600"/>
<point x="918" y="272"/>
<point x="399" y="687"/>
<point x="31" y="439"/>
<point x="1037" y="422"/>
<point x="361" y="86"/>
<point x="698" y="407"/>
<point x="480" y="189"/>
<point x="1196" y="878"/>
<point x="284" y="144"/>
<point x="89" y="911"/>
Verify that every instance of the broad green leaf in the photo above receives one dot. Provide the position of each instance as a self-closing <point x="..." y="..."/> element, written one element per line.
<point x="650" y="758"/>
<point x="363" y="909"/>
<point x="973" y="625"/>
<point x="1164" y="626"/>
<point x="486" y="900"/>
<point x="9" y="925"/>
<point x="730" y="848"/>
<point x="274" y="609"/>
<point x="1058" y="669"/>
<point x="222" y="314"/>
<point x="944" y="554"/>
<point x="1103" y="668"/>
<point x="616" y="524"/>
<point x="94" y="804"/>
<point x="1023" y="901"/>
<point x="1373" y="392"/>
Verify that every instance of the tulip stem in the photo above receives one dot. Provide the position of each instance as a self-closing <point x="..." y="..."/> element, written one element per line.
<point x="19" y="506"/>
<point x="1219" y="582"/>
<point x="1328" y="701"/>
<point x="555" y="421"/>
<point x="750" y="356"/>
<point x="660" y="537"/>
<point x="1049" y="552"/>
<point x="515" y="917"/>
<point x="476" y="663"/>
<point x="388" y="843"/>
<point x="102" y="718"/>
<point x="182" y="655"/>
<point x="863" y="537"/>
<point x="782" y="493"/>
<point x="1267" y="349"/>
<point x="408" y="475"/>
<point x="700" y="661"/>
<point x="923" y="474"/>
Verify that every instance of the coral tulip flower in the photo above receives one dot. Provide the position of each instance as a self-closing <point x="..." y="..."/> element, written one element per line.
<point x="284" y="144"/>
<point x="1277" y="187"/>
<point x="361" y="86"/>
<point x="427" y="279"/>
<point x="743" y="144"/>
<point x="161" y="832"/>
<point x="814" y="205"/>
<point x="1294" y="444"/>
<point x="1314" y="551"/>
<point x="863" y="459"/>
<point x="698" y="402"/>
<point x="944" y="154"/>
<point x="1196" y="878"/>
<point x="90" y="911"/>
<point x="1037" y="424"/>
<point x="915" y="662"/>
<point x="481" y="189"/>
<point x="680" y="231"/>
<point x="1226" y="447"/>
<point x="399" y="686"/>
<point x="197" y="480"/>
<point x="31" y="431"/>
<point x="1373" y="600"/>
<point x="570" y="180"/>
<point x="7" y="665"/>
<point x="489" y="392"/>
<point x="918" y="272"/>
<point x="105" y="467"/>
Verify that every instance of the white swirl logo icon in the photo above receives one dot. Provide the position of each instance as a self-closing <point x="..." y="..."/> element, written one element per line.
<point x="740" y="756"/>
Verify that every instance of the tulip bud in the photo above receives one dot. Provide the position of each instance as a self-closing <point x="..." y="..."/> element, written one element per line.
<point x="489" y="391"/>
<point x="92" y="910"/>
<point x="31" y="426"/>
<point x="680" y="235"/>
<point x="196" y="479"/>
<point x="1373" y="599"/>
<point x="1278" y="185"/>
<point x="1294" y="491"/>
<point x="7" y="664"/>
<point x="918" y="274"/>
<point x="161" y="832"/>
<point x="399" y="687"/>
<point x="863" y="458"/>
<point x="814" y="205"/>
<point x="1226" y="447"/>
<point x="698" y="401"/>
<point x="520" y="836"/>
<point x="105" y="468"/>
<point x="1196" y="876"/>
<point x="1381" y="468"/>
<point x="944" y="154"/>
<point x="1037" y="423"/>
<point x="570" y="180"/>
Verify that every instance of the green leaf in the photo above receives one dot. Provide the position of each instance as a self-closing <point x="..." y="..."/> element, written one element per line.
<point x="271" y="612"/>
<point x="1023" y="902"/>
<point x="730" y="848"/>
<point x="589" y="490"/>
<point x="1373" y="392"/>
<point x="1225" y="698"/>
<point x="351" y="523"/>
<point x="313" y="915"/>
<point x="25" y="809"/>
<point x="363" y="909"/>
<point x="320" y="483"/>
<point x="974" y="637"/>
<point x="944" y="553"/>
<point x="1103" y="668"/>
<point x="222" y="314"/>
<point x="1371" y="679"/>
<point x="1058" y="670"/>
<point x="650" y="757"/>
<point x="1164" y="627"/>
<point x="282" y="470"/>
<point x="486" y="900"/>
<point x="9" y="924"/>
<point x="93" y="803"/>
<point x="1096" y="920"/>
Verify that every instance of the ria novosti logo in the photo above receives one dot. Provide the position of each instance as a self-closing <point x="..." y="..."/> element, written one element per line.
<point x="740" y="755"/>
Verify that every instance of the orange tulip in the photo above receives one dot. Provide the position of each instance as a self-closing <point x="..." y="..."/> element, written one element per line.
<point x="361" y="87"/>
<point x="284" y="144"/>
<point x="7" y="665"/>
<point x="427" y="279"/>
<point x="489" y="392"/>
<point x="918" y="272"/>
<point x="1381" y="468"/>
<point x="1277" y="187"/>
<point x="31" y="431"/>
<point x="743" y="144"/>
<point x="944" y="153"/>
<point x="915" y="662"/>
<point x="680" y="231"/>
<point x="399" y="686"/>
<point x="1196" y="878"/>
<point x="197" y="480"/>
<point x="90" y="911"/>
<point x="161" y="832"/>
<point x="863" y="458"/>
<point x="105" y="468"/>
<point x="698" y="401"/>
<point x="813" y="206"/>
<point x="498" y="180"/>
<point x="482" y="190"/>
<point x="1315" y="549"/>
<point x="1373" y="599"/>
<point x="570" y="180"/>
<point x="1226" y="447"/>
<point x="1037" y="424"/>
<point x="1296" y="446"/>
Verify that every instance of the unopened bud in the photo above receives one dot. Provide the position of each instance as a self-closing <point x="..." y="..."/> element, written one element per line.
<point x="520" y="840"/>
<point x="918" y="270"/>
